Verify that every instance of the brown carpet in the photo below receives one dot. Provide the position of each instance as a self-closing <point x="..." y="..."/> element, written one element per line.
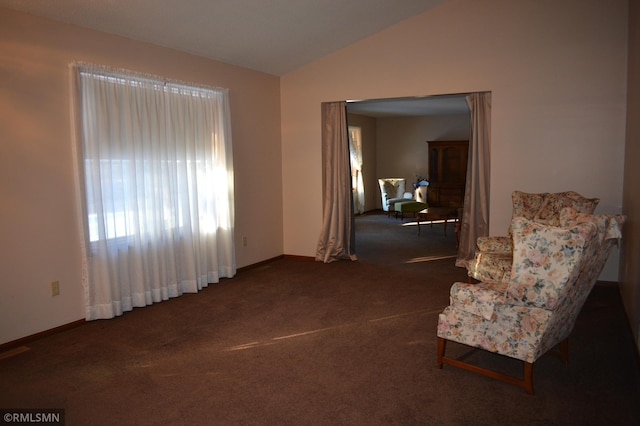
<point x="296" y="342"/>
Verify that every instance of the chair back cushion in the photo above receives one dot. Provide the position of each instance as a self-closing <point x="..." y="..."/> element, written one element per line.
<point x="545" y="207"/>
<point x="525" y="204"/>
<point x="545" y="259"/>
<point x="392" y="187"/>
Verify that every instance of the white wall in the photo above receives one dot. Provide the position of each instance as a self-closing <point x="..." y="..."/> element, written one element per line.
<point x="557" y="73"/>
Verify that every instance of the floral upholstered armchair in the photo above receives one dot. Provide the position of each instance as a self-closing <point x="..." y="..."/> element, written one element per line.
<point x="393" y="191"/>
<point x="552" y="272"/>
<point x="493" y="257"/>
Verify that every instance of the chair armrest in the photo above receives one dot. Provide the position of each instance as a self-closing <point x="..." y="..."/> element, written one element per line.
<point x="495" y="244"/>
<point x="478" y="299"/>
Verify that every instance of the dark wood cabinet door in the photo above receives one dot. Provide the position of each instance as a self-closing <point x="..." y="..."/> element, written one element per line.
<point x="447" y="173"/>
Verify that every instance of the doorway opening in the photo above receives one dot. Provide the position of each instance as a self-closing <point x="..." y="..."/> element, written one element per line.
<point x="394" y="135"/>
<point x="337" y="239"/>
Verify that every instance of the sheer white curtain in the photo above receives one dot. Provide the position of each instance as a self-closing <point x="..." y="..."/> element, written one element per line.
<point x="475" y="216"/>
<point x="155" y="187"/>
<point x="357" y="182"/>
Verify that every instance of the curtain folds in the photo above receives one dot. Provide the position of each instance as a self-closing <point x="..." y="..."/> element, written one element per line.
<point x="155" y="188"/>
<point x="475" y="216"/>
<point x="337" y="236"/>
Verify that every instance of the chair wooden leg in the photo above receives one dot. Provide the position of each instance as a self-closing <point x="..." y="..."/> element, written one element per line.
<point x="564" y="351"/>
<point x="442" y="344"/>
<point x="526" y="382"/>
<point x="527" y="377"/>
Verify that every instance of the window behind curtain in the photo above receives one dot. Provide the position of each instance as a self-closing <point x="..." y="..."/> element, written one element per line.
<point x="357" y="181"/>
<point x="156" y="175"/>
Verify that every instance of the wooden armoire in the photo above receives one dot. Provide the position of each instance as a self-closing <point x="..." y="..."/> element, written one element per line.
<point x="447" y="173"/>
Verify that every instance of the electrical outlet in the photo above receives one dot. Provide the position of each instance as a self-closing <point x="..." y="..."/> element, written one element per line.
<point x="244" y="241"/>
<point x="55" y="288"/>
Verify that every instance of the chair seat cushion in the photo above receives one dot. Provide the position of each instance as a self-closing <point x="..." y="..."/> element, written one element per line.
<point x="515" y="331"/>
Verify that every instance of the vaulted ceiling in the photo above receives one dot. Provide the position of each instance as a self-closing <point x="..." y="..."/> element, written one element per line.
<point x="273" y="36"/>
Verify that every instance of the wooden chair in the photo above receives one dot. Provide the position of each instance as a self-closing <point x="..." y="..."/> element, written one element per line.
<point x="554" y="268"/>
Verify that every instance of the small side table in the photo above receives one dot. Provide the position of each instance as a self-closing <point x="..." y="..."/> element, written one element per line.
<point x="437" y="213"/>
